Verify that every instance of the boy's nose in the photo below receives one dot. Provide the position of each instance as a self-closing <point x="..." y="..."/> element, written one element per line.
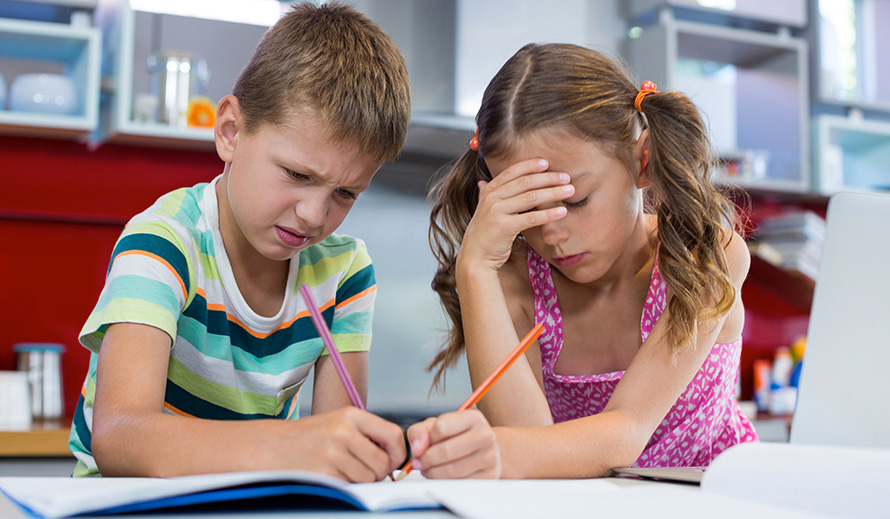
<point x="313" y="211"/>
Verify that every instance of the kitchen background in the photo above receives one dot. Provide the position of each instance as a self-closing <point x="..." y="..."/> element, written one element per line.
<point x="796" y="93"/>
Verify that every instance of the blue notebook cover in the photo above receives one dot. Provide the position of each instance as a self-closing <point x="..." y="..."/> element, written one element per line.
<point x="56" y="498"/>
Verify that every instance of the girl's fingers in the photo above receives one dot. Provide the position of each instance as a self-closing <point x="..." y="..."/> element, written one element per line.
<point x="472" y="453"/>
<point x="528" y="200"/>
<point x="419" y="436"/>
<point x="518" y="170"/>
<point x="521" y="186"/>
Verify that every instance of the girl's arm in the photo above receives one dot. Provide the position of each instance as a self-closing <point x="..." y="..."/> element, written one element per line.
<point x="133" y="437"/>
<point x="651" y="385"/>
<point x="507" y="205"/>
<point x="457" y="444"/>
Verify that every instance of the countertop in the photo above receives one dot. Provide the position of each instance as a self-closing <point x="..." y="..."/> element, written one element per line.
<point x="48" y="439"/>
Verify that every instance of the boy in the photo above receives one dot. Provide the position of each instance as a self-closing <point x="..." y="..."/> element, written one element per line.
<point x="200" y="339"/>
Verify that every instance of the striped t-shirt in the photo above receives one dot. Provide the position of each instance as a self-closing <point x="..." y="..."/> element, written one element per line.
<point x="169" y="269"/>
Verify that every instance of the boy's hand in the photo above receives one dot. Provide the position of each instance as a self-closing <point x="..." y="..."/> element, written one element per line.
<point x="455" y="445"/>
<point x="348" y="443"/>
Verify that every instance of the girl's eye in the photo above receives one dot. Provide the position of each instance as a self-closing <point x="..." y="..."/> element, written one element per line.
<point x="295" y="175"/>
<point x="575" y="205"/>
<point x="347" y="194"/>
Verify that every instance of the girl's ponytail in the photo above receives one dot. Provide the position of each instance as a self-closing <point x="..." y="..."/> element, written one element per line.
<point x="692" y="215"/>
<point x="456" y="196"/>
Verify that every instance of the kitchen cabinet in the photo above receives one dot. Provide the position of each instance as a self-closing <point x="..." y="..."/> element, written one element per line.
<point x="851" y="88"/>
<point x="131" y="36"/>
<point x="752" y="87"/>
<point x="69" y="49"/>
<point x="791" y="13"/>
<point x="853" y="154"/>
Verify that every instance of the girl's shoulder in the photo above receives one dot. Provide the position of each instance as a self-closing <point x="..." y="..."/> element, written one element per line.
<point x="738" y="256"/>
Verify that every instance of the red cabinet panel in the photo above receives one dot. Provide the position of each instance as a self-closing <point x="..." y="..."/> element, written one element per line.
<point x="62" y="207"/>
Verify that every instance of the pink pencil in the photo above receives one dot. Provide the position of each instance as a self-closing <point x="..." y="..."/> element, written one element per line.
<point x="325" y="333"/>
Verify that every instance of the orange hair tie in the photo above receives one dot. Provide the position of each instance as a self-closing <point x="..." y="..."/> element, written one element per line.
<point x="646" y="88"/>
<point x="474" y="142"/>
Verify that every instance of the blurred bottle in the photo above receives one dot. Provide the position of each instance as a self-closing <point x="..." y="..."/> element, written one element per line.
<point x="762" y="369"/>
<point x="782" y="397"/>
<point x="42" y="363"/>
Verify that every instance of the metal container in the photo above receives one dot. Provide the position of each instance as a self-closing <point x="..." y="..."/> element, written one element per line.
<point x="42" y="363"/>
<point x="176" y="76"/>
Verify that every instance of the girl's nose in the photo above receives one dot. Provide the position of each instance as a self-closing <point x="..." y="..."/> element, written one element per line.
<point x="554" y="233"/>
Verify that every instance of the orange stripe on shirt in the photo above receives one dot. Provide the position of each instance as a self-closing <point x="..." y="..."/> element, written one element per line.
<point x="300" y="315"/>
<point x="176" y="411"/>
<point x="162" y="261"/>
<point x="357" y="296"/>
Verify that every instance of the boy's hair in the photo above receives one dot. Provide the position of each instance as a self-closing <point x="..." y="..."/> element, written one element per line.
<point x="335" y="62"/>
<point x="581" y="91"/>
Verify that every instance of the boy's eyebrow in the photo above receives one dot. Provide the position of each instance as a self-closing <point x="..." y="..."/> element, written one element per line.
<point x="299" y="167"/>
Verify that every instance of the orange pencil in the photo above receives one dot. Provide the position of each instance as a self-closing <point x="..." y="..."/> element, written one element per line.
<point x="488" y="382"/>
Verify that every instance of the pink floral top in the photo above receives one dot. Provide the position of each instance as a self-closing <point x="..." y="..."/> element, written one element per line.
<point x="705" y="420"/>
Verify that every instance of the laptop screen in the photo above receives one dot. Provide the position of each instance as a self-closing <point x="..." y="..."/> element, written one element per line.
<point x="844" y="393"/>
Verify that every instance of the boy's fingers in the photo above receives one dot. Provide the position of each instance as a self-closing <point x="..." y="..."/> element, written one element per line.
<point x="383" y="435"/>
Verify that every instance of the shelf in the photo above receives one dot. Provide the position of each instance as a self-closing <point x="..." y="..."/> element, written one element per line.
<point x="130" y="36"/>
<point x="794" y="288"/>
<point x="852" y="154"/>
<point x="751" y="87"/>
<point x="76" y="50"/>
<point x="782" y="12"/>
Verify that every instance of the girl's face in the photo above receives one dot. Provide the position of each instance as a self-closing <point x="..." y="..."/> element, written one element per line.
<point x="604" y="223"/>
<point x="289" y="187"/>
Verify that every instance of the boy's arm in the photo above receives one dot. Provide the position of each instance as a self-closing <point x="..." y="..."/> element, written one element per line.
<point x="133" y="437"/>
<point x="328" y="392"/>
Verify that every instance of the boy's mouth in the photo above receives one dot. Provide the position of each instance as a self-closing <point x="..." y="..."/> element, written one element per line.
<point x="291" y="238"/>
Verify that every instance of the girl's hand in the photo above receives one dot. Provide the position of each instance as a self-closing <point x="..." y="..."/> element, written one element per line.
<point x="511" y="203"/>
<point x="455" y="445"/>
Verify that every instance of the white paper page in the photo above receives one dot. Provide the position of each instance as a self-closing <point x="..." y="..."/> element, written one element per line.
<point x="599" y="498"/>
<point x="548" y="498"/>
<point x="838" y="481"/>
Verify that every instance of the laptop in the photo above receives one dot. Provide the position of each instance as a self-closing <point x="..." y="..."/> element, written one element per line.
<point x="842" y="398"/>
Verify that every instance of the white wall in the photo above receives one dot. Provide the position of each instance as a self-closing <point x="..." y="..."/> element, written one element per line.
<point x="408" y="322"/>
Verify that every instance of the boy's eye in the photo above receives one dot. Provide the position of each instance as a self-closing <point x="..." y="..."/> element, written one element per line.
<point x="295" y="175"/>
<point x="345" y="193"/>
<point x="575" y="205"/>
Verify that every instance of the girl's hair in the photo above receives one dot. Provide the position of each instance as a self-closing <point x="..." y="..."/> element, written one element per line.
<point x="332" y="60"/>
<point x="574" y="89"/>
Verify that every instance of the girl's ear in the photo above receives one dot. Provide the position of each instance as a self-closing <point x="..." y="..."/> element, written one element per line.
<point x="641" y="156"/>
<point x="228" y="124"/>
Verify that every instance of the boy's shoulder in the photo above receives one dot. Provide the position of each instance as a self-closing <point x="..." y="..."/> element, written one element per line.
<point x="181" y="209"/>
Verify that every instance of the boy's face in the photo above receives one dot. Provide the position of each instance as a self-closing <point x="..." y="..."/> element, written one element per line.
<point x="288" y="187"/>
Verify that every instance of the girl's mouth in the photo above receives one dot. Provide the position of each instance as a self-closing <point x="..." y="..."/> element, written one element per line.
<point x="568" y="261"/>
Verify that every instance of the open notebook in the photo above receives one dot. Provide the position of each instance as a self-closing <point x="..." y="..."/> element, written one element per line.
<point x="840" y="400"/>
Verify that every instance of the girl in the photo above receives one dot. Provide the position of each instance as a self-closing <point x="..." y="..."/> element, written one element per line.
<point x="585" y="204"/>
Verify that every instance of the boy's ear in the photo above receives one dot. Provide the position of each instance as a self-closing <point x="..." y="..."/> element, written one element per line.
<point x="641" y="155"/>
<point x="228" y="124"/>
